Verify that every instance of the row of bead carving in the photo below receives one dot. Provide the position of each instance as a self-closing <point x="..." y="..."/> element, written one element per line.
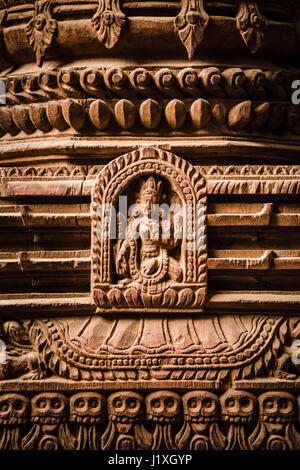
<point x="174" y="114"/>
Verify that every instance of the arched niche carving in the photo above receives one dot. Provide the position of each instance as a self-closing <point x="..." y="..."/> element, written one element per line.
<point x="164" y="270"/>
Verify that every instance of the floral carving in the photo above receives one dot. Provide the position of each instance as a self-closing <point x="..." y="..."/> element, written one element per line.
<point x="108" y="21"/>
<point x="41" y="29"/>
<point x="251" y="24"/>
<point x="190" y="24"/>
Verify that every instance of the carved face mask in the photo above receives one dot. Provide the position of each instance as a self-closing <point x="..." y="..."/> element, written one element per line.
<point x="277" y="407"/>
<point x="49" y="408"/>
<point x="13" y="408"/>
<point x="200" y="407"/>
<point x="125" y="407"/>
<point x="163" y="407"/>
<point x="87" y="407"/>
<point x="238" y="406"/>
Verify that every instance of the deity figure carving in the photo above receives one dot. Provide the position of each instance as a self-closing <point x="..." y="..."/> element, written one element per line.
<point x="159" y="259"/>
<point x="151" y="263"/>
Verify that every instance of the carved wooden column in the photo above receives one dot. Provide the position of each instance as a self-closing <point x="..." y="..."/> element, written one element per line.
<point x="158" y="343"/>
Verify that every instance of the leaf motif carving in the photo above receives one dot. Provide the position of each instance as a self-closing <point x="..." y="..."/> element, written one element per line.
<point x="115" y="297"/>
<point x="132" y="297"/>
<point x="251" y="24"/>
<point x="108" y="21"/>
<point x="170" y="297"/>
<point x="41" y="29"/>
<point x="185" y="297"/>
<point x="190" y="24"/>
<point x="100" y="296"/>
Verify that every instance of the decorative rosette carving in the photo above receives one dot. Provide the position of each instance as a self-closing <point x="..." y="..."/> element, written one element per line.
<point x="108" y="21"/>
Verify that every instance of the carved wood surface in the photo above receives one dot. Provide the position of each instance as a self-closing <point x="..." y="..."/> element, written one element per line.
<point x="113" y="344"/>
<point x="102" y="25"/>
<point x="164" y="420"/>
<point x="157" y="291"/>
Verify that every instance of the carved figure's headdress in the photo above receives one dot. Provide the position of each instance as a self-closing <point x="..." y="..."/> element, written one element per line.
<point x="150" y="191"/>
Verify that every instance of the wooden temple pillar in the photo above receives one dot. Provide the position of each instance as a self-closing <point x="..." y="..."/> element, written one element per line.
<point x="185" y="337"/>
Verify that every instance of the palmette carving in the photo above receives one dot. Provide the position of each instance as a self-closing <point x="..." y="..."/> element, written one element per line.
<point x="251" y="24"/>
<point x="190" y="24"/>
<point x="165" y="271"/>
<point x="108" y="22"/>
<point x="41" y="29"/>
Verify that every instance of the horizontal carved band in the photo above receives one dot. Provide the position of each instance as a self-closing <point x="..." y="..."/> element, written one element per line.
<point x="207" y="82"/>
<point x="44" y="348"/>
<point x="161" y="420"/>
<point x="265" y="186"/>
<point x="192" y="116"/>
<point x="244" y="26"/>
<point x="232" y="172"/>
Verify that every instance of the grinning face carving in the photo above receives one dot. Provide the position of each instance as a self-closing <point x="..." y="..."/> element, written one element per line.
<point x="238" y="406"/>
<point x="13" y="408"/>
<point x="49" y="408"/>
<point x="125" y="407"/>
<point x="200" y="407"/>
<point x="277" y="407"/>
<point x="87" y="407"/>
<point x="163" y="407"/>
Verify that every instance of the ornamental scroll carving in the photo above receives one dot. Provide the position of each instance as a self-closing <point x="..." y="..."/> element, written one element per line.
<point x="151" y="258"/>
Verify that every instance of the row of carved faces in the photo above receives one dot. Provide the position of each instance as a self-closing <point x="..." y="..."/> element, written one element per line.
<point x="163" y="407"/>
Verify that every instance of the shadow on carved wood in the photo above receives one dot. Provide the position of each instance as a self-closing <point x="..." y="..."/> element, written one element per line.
<point x="251" y="24"/>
